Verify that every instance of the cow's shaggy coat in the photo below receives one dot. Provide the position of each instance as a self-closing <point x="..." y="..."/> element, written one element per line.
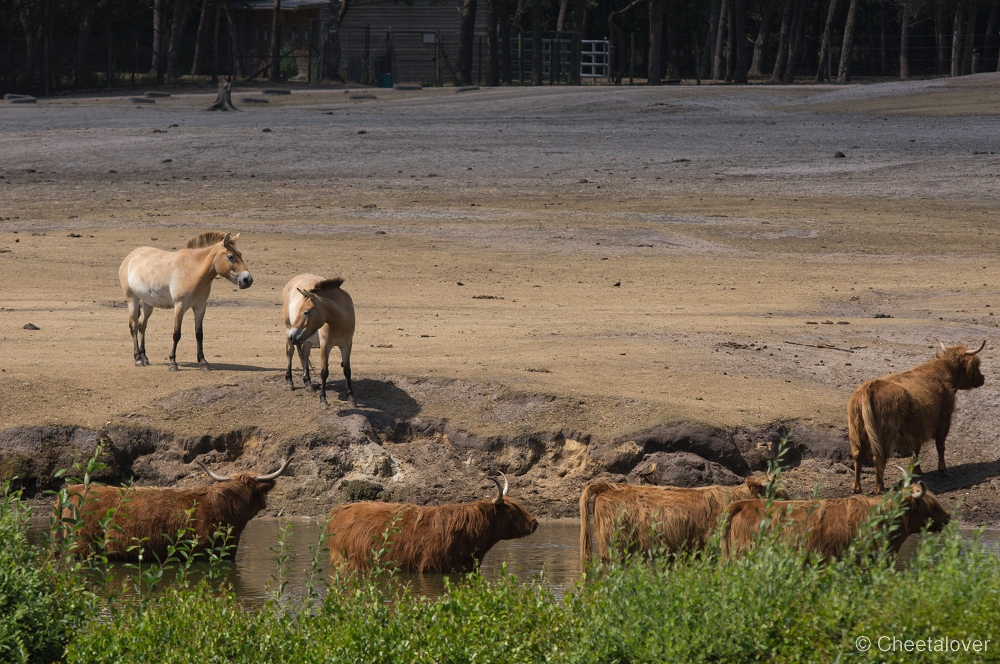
<point x="898" y="413"/>
<point x="159" y="514"/>
<point x="827" y="527"/>
<point x="446" y="538"/>
<point x="648" y="519"/>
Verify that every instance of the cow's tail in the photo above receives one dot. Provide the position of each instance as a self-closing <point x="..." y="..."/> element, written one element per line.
<point x="586" y="514"/>
<point x="876" y="441"/>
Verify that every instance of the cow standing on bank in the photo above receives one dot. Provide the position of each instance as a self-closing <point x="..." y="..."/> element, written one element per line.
<point x="447" y="538"/>
<point x="898" y="413"/>
<point x="827" y="527"/>
<point x="150" y="518"/>
<point x="646" y="517"/>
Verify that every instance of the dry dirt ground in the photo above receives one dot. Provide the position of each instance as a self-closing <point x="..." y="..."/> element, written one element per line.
<point x="560" y="283"/>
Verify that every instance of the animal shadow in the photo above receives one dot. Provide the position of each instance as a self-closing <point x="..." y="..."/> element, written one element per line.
<point x="381" y="401"/>
<point x="963" y="476"/>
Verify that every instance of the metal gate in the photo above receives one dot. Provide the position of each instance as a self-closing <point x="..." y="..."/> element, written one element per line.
<point x="595" y="58"/>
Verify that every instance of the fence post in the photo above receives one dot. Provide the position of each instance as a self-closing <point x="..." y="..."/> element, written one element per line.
<point x="437" y="59"/>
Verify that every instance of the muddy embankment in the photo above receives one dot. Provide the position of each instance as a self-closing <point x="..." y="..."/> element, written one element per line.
<point x="397" y="454"/>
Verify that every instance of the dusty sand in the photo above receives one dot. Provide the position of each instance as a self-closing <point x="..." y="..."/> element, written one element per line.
<point x="649" y="256"/>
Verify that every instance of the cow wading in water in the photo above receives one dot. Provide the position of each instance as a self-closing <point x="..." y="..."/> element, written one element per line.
<point x="447" y="538"/>
<point x="147" y="519"/>
<point x="647" y="518"/>
<point x="827" y="527"/>
<point x="898" y="413"/>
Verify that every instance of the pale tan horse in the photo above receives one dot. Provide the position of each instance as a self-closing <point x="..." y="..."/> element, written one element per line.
<point x="318" y="312"/>
<point x="178" y="280"/>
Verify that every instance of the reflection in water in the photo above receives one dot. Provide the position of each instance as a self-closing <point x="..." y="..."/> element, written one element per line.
<point x="553" y="548"/>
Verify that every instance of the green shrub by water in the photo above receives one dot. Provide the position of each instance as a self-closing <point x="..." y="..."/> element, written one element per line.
<point x="772" y="605"/>
<point x="42" y="603"/>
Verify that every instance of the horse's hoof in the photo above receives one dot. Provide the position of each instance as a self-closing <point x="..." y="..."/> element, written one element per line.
<point x="172" y="367"/>
<point x="289" y="386"/>
<point x="140" y="363"/>
<point x="943" y="473"/>
<point x="206" y="367"/>
<point x="145" y="361"/>
<point x="324" y="405"/>
<point x="354" y="404"/>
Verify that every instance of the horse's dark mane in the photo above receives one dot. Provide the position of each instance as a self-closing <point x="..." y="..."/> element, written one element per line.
<point x="327" y="284"/>
<point x="205" y="240"/>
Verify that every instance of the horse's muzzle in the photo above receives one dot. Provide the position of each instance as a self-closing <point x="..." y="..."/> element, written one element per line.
<point x="244" y="280"/>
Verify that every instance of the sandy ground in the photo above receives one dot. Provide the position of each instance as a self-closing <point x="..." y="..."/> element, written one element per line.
<point x="630" y="256"/>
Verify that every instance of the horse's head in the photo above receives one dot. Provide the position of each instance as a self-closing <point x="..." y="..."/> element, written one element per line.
<point x="229" y="262"/>
<point x="309" y="319"/>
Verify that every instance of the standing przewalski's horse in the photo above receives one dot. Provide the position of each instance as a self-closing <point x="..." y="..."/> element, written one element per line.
<point x="901" y="411"/>
<point x="318" y="312"/>
<point x="178" y="280"/>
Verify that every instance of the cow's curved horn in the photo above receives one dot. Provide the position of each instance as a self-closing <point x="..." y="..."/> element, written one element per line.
<point x="974" y="352"/>
<point x="501" y="490"/>
<point x="905" y="475"/>
<point x="918" y="490"/>
<point x="217" y="478"/>
<point x="275" y="474"/>
<point x="941" y="343"/>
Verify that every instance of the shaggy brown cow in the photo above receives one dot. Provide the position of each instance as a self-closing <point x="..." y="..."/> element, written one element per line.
<point x="898" y="413"/>
<point x="646" y="517"/>
<point x="448" y="538"/>
<point x="159" y="513"/>
<point x="827" y="527"/>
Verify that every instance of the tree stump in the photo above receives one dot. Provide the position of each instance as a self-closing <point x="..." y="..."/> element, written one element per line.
<point x="224" y="100"/>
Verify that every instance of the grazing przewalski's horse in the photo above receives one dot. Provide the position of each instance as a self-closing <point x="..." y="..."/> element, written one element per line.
<point x="178" y="280"/>
<point x="318" y="312"/>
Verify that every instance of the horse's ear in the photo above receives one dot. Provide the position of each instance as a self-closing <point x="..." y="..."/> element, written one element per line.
<point x="306" y="294"/>
<point x="233" y="239"/>
<point x="226" y="240"/>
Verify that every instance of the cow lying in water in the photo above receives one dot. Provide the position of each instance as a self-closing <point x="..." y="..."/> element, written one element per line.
<point x="447" y="538"/>
<point x="645" y="518"/>
<point x="160" y="513"/>
<point x="827" y="527"/>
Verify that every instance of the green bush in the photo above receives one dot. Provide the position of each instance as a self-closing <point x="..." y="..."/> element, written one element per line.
<point x="42" y="603"/>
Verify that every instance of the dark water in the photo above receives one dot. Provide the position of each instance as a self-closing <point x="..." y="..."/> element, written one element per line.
<point x="551" y="556"/>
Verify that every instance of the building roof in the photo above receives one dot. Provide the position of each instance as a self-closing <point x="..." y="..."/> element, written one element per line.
<point x="286" y="5"/>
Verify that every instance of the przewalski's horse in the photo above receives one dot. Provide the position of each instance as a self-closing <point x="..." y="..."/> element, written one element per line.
<point x="178" y="280"/>
<point x="318" y="312"/>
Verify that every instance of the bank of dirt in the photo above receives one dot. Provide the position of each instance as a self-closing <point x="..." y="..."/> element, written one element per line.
<point x="544" y="280"/>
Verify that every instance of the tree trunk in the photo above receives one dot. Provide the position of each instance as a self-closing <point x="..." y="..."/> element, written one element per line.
<point x="708" y="54"/>
<point x="492" y="47"/>
<point x="579" y="19"/>
<point x="672" y="69"/>
<point x="720" y="41"/>
<point x="506" y="58"/>
<point x="177" y="24"/>
<point x="740" y="36"/>
<point x="883" y="42"/>
<point x="794" y="42"/>
<point x="844" y="71"/>
<point x="957" y="39"/>
<point x="654" y="72"/>
<point x="787" y="15"/>
<point x="81" y="65"/>
<point x="822" y="71"/>
<point x="234" y="38"/>
<point x="561" y="21"/>
<point x="159" y="21"/>
<point x="939" y="37"/>
<point x="968" y="60"/>
<point x="224" y="99"/>
<point x="536" y="42"/>
<point x="904" y="41"/>
<point x="466" y="42"/>
<point x="275" y="42"/>
<point x="201" y="39"/>
<point x="730" y="54"/>
<point x="766" y="9"/>
<point x="989" y="42"/>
